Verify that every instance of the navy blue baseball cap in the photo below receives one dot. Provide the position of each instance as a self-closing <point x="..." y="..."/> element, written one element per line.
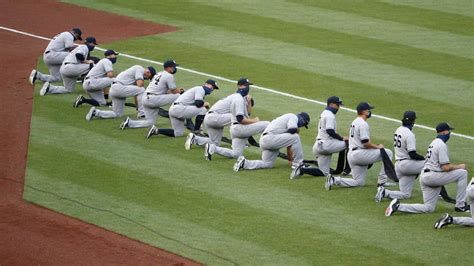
<point x="305" y="118"/>
<point x="443" y="126"/>
<point x="409" y="116"/>
<point x="78" y="32"/>
<point x="364" y="106"/>
<point x="170" y="63"/>
<point x="334" y="99"/>
<point x="244" y="81"/>
<point x="152" y="70"/>
<point x="213" y="83"/>
<point x="110" y="52"/>
<point x="91" y="40"/>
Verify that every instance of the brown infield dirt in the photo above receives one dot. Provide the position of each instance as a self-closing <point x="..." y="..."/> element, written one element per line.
<point x="30" y="234"/>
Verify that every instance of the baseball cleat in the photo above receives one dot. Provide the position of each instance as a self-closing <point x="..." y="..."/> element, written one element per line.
<point x="91" y="113"/>
<point x="239" y="164"/>
<point x="45" y="89"/>
<point x="296" y="171"/>
<point x="443" y="221"/>
<point x="387" y="184"/>
<point x="380" y="194"/>
<point x="152" y="131"/>
<point x="465" y="208"/>
<point x="189" y="141"/>
<point x="392" y="207"/>
<point x="329" y="182"/>
<point x="208" y="151"/>
<point x="32" y="77"/>
<point x="78" y="101"/>
<point x="125" y="123"/>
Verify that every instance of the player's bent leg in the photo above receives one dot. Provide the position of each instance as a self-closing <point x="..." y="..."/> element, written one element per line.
<point x="359" y="173"/>
<point x="430" y="198"/>
<point x="268" y="160"/>
<point x="406" y="187"/>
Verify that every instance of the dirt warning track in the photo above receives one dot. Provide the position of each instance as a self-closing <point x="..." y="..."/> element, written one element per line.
<point x="31" y="234"/>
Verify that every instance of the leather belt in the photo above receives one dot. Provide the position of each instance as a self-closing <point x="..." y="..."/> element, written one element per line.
<point x="235" y="123"/>
<point x="117" y="82"/>
<point x="426" y="171"/>
<point x="47" y="52"/>
<point x="87" y="78"/>
<point x="399" y="160"/>
<point x="149" y="93"/>
<point x="356" y="148"/>
<point x="264" y="134"/>
<point x="176" y="103"/>
<point x="210" y="112"/>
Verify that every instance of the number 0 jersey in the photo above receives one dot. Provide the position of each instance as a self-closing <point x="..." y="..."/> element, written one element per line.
<point x="358" y="132"/>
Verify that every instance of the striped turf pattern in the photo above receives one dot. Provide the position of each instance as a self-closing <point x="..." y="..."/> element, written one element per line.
<point x="398" y="55"/>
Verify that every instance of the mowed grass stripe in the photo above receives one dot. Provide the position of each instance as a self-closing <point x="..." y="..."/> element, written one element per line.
<point x="312" y="37"/>
<point x="311" y="210"/>
<point x="354" y="24"/>
<point x="459" y="7"/>
<point x="410" y="82"/>
<point x="432" y="14"/>
<point x="299" y="82"/>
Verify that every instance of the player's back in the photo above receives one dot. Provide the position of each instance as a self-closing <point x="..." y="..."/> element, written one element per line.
<point x="403" y="142"/>
<point x="161" y="83"/>
<point x="61" y="42"/>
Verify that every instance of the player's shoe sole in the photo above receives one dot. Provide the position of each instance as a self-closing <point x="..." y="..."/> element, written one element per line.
<point x="125" y="123"/>
<point x="380" y="194"/>
<point x="32" y="77"/>
<point x="329" y="182"/>
<point x="443" y="221"/>
<point x="392" y="207"/>
<point x="208" y="151"/>
<point x="45" y="89"/>
<point x="239" y="164"/>
<point x="296" y="171"/>
<point x="78" y="101"/>
<point x="151" y="132"/>
<point x="189" y="141"/>
<point x="91" y="114"/>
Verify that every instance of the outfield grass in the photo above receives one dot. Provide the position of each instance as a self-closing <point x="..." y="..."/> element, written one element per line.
<point x="397" y="56"/>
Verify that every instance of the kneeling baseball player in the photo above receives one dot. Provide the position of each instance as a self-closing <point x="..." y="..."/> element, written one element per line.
<point x="188" y="105"/>
<point x="282" y="132"/>
<point x="99" y="78"/>
<point x="362" y="152"/>
<point x="437" y="172"/>
<point x="242" y="126"/>
<point x="128" y="83"/>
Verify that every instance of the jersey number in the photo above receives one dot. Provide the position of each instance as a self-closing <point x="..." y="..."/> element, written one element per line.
<point x="352" y="131"/>
<point x="428" y="153"/>
<point x="157" y="79"/>
<point x="397" y="141"/>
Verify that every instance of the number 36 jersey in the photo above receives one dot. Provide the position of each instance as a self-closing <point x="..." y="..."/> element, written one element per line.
<point x="404" y="142"/>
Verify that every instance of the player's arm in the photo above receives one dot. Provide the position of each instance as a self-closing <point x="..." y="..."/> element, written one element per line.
<point x="249" y="104"/>
<point x="246" y="121"/>
<point x="369" y="145"/>
<point x="415" y="156"/>
<point x="175" y="91"/>
<point x="140" y="82"/>
<point x="450" y="167"/>
<point x="110" y="74"/>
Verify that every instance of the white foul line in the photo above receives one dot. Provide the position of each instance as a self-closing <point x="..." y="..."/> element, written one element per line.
<point x="234" y="81"/>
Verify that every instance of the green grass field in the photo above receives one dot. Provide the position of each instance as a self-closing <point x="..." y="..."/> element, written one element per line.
<point x="398" y="55"/>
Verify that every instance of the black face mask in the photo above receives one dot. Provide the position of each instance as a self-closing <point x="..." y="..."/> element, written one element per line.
<point x="113" y="60"/>
<point x="244" y="91"/>
<point x="90" y="47"/>
<point x="369" y="114"/>
<point x="174" y="70"/>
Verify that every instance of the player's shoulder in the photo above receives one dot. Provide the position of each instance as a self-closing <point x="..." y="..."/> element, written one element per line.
<point x="327" y="113"/>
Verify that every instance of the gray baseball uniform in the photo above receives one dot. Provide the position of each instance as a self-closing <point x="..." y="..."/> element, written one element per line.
<point x="124" y="86"/>
<point x="359" y="157"/>
<point x="239" y="132"/>
<point x="218" y="117"/>
<point x="71" y="69"/>
<point x="156" y="95"/>
<point x="406" y="168"/>
<point x="470" y="195"/>
<point x="432" y="178"/>
<point x="54" y="55"/>
<point x="326" y="145"/>
<point x="184" y="108"/>
<point x="274" y="137"/>
<point x="96" y="80"/>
